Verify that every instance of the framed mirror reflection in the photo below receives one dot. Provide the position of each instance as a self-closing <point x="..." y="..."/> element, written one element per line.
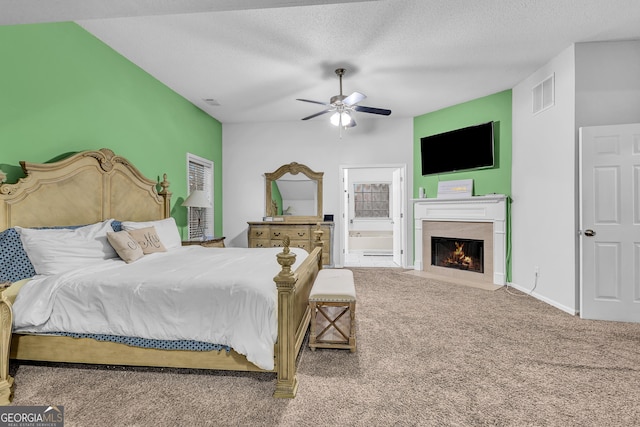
<point x="294" y="193"/>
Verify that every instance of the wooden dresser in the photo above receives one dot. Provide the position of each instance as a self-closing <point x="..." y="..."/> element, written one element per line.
<point x="268" y="234"/>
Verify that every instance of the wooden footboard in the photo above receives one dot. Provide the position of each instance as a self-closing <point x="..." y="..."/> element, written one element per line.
<point x="293" y="314"/>
<point x="6" y="320"/>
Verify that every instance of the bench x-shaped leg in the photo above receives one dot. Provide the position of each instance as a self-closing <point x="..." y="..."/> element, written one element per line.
<point x="332" y="322"/>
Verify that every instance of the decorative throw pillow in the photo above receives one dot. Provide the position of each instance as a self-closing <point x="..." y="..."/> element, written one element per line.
<point x="166" y="228"/>
<point x="125" y="245"/>
<point x="148" y="240"/>
<point x="14" y="262"/>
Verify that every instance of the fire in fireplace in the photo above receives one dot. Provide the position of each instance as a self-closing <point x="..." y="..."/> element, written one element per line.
<point x="461" y="254"/>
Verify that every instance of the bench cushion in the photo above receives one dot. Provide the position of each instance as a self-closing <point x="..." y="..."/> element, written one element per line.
<point x="333" y="285"/>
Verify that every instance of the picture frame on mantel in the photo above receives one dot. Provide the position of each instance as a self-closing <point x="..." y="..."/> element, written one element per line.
<point x="458" y="189"/>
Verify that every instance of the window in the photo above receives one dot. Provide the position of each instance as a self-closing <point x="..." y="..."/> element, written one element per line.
<point x="200" y="177"/>
<point x="371" y="200"/>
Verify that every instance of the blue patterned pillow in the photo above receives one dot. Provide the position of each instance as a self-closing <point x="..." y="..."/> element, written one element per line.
<point x="14" y="262"/>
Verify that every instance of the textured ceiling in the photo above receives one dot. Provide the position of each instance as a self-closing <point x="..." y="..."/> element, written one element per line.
<point x="255" y="57"/>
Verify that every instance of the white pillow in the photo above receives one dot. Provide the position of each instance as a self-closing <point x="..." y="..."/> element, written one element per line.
<point x="166" y="228"/>
<point x="54" y="251"/>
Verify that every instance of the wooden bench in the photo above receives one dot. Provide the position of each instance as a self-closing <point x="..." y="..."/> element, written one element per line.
<point x="333" y="310"/>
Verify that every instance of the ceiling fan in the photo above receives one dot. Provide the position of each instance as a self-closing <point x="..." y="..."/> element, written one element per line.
<point x="343" y="107"/>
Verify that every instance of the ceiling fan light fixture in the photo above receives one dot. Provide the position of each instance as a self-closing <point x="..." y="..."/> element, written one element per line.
<point x="341" y="119"/>
<point x="335" y="119"/>
<point x="344" y="106"/>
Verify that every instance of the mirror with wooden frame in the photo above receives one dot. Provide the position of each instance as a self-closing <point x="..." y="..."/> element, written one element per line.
<point x="294" y="193"/>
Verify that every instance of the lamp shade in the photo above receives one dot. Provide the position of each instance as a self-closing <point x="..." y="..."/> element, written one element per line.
<point x="197" y="199"/>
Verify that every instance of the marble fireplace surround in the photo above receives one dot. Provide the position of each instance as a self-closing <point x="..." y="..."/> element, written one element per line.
<point x="479" y="216"/>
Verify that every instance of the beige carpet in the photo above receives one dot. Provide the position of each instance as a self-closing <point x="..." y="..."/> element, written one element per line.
<point x="454" y="281"/>
<point x="429" y="353"/>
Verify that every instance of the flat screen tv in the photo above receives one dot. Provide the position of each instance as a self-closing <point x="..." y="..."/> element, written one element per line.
<point x="461" y="149"/>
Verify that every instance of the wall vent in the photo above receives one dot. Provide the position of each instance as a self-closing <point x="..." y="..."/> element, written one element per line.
<point x="543" y="95"/>
<point x="211" y="101"/>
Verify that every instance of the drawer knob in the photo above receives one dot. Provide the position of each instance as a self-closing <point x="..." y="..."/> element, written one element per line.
<point x="276" y="234"/>
<point x="258" y="233"/>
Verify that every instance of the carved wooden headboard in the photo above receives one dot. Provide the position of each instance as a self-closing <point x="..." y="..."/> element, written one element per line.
<point x="88" y="187"/>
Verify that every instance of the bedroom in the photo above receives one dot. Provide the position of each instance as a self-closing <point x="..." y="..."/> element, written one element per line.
<point x="53" y="84"/>
<point x="59" y="103"/>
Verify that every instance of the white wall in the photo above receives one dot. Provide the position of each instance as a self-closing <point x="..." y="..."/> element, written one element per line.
<point x="607" y="83"/>
<point x="251" y="149"/>
<point x="596" y="84"/>
<point x="543" y="223"/>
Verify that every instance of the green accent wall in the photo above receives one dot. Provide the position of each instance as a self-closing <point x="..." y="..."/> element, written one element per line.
<point x="496" y="108"/>
<point x="276" y="196"/>
<point x="497" y="180"/>
<point x="62" y="90"/>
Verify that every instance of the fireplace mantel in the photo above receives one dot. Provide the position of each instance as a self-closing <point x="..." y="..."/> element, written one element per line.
<point x="490" y="208"/>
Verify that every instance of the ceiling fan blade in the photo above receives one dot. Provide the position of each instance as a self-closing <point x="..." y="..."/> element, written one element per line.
<point x="317" y="114"/>
<point x="315" y="102"/>
<point x="354" y="98"/>
<point x="372" y="110"/>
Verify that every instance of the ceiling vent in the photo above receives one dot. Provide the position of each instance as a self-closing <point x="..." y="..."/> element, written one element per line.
<point x="543" y="95"/>
<point x="210" y="101"/>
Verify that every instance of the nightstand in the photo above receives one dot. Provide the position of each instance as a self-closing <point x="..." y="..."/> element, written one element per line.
<point x="215" y="242"/>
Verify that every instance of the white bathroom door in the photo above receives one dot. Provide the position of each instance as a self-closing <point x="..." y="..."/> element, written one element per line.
<point x="397" y="214"/>
<point x="610" y="222"/>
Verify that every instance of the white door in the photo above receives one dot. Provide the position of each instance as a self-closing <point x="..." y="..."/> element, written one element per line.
<point x="397" y="189"/>
<point x="345" y="215"/>
<point x="610" y="222"/>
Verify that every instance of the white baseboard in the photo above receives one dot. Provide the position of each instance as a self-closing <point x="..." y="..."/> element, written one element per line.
<point x="570" y="310"/>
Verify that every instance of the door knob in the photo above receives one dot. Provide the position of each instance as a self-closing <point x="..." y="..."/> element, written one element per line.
<point x="589" y="233"/>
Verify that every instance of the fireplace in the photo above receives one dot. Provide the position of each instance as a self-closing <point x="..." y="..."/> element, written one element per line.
<point x="464" y="220"/>
<point x="457" y="253"/>
<point x="458" y="249"/>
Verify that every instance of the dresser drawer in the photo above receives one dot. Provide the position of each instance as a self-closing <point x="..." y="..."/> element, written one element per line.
<point x="302" y="244"/>
<point x="259" y="243"/>
<point x="294" y="232"/>
<point x="259" y="232"/>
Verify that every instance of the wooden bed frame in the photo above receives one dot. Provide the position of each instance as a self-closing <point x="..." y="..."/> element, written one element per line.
<point x="93" y="186"/>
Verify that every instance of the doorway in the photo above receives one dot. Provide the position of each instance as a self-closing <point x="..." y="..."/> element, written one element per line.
<point x="372" y="216"/>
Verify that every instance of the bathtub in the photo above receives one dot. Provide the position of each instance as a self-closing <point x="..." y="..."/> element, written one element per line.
<point x="379" y="241"/>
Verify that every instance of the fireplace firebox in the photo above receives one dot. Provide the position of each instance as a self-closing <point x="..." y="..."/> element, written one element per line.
<point x="460" y="254"/>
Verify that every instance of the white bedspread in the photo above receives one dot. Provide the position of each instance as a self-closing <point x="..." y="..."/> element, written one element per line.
<point x="215" y="295"/>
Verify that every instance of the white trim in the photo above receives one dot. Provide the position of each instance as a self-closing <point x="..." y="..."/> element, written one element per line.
<point x="562" y="307"/>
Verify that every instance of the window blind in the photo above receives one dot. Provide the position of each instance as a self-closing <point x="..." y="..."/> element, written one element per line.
<point x="371" y="200"/>
<point x="200" y="177"/>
